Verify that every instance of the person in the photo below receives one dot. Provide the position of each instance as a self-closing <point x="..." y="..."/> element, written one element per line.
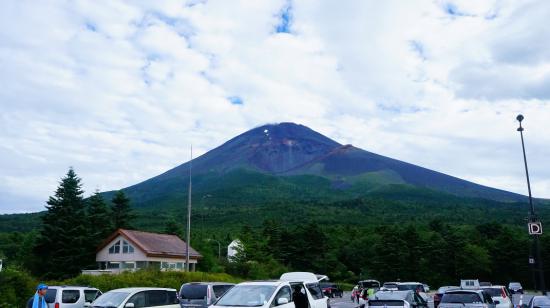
<point x="370" y="293"/>
<point x="38" y="300"/>
<point x="299" y="298"/>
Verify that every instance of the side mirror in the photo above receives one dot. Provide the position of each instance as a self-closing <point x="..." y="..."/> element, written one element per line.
<point x="282" y="301"/>
<point x="129" y="305"/>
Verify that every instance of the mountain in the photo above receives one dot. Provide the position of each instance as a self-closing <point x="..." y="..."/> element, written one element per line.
<point x="290" y="161"/>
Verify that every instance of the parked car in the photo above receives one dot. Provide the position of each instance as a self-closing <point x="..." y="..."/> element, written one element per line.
<point x="467" y="298"/>
<point x="405" y="299"/>
<point x="201" y="294"/>
<point x="137" y="297"/>
<point x="331" y="289"/>
<point x="485" y="284"/>
<point x="389" y="286"/>
<point x="515" y="287"/>
<point x="439" y="294"/>
<point x="413" y="286"/>
<point x="310" y="285"/>
<point x="70" y="296"/>
<point x="538" y="301"/>
<point x="500" y="294"/>
<point x="469" y="284"/>
<point x="368" y="284"/>
<point x="266" y="294"/>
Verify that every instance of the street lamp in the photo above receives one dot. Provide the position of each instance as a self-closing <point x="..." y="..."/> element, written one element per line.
<point x="533" y="219"/>
<point x="219" y="247"/>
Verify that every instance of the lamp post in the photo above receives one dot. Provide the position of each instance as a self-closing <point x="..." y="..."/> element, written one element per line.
<point x="532" y="216"/>
<point x="188" y="215"/>
<point x="219" y="247"/>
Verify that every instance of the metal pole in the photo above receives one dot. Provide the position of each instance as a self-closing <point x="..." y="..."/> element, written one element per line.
<point x="188" y="215"/>
<point x="532" y="216"/>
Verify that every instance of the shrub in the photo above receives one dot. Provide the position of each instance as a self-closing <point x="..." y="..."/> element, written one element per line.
<point x="16" y="287"/>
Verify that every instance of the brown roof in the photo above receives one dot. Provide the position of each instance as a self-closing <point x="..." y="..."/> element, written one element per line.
<point x="155" y="244"/>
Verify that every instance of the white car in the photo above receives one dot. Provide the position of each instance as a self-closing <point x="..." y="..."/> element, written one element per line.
<point x="395" y="299"/>
<point x="137" y="298"/>
<point x="267" y="294"/>
<point x="499" y="294"/>
<point x="70" y="296"/>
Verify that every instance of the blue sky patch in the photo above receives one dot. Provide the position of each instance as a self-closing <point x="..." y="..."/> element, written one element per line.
<point x="418" y="48"/>
<point x="285" y="19"/>
<point x="235" y="100"/>
<point x="91" y="27"/>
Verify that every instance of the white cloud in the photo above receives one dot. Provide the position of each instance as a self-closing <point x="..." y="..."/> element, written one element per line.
<point x="120" y="90"/>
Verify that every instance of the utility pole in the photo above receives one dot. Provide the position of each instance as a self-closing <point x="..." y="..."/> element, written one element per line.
<point x="189" y="214"/>
<point x="535" y="226"/>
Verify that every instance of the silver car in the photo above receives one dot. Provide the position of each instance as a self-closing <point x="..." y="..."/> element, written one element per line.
<point x="202" y="294"/>
<point x="70" y="296"/>
<point x="467" y="298"/>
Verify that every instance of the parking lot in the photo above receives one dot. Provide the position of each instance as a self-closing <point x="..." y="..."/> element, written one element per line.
<point x="345" y="301"/>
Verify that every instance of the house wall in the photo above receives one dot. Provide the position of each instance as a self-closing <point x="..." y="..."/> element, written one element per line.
<point x="104" y="256"/>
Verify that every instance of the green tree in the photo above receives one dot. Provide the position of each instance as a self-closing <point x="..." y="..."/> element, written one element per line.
<point x="172" y="227"/>
<point x="99" y="224"/>
<point x="61" y="245"/>
<point x="121" y="211"/>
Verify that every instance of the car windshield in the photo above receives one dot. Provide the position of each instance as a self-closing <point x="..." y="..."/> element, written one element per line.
<point x="110" y="299"/>
<point x="193" y="291"/>
<point x="541" y="301"/>
<point x="390" y="285"/>
<point x="369" y="284"/>
<point x="465" y="297"/>
<point x="494" y="292"/>
<point x="392" y="295"/>
<point x="247" y="296"/>
<point x="413" y="287"/>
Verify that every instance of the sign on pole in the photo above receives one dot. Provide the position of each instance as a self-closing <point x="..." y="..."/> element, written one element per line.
<point x="535" y="228"/>
<point x="531" y="260"/>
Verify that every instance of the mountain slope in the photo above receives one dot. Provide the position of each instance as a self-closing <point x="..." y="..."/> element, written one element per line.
<point x="287" y="160"/>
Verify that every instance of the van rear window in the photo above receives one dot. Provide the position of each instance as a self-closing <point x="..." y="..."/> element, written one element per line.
<point x="466" y="298"/>
<point x="50" y="295"/>
<point x="193" y="291"/>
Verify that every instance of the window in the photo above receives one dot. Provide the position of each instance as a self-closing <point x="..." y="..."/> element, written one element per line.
<point x="115" y="248"/>
<point x="315" y="290"/>
<point x="179" y="265"/>
<point x="113" y="265"/>
<point x="129" y="265"/>
<point x="127" y="248"/>
<point x="50" y="295"/>
<point x="70" y="296"/>
<point x="221" y="289"/>
<point x="284" y="292"/>
<point x="90" y="295"/>
<point x="138" y="300"/>
<point x="172" y="297"/>
<point x="156" y="298"/>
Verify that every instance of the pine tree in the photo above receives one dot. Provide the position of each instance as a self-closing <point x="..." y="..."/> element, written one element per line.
<point x="172" y="227"/>
<point x="62" y="242"/>
<point x="121" y="211"/>
<point x="99" y="224"/>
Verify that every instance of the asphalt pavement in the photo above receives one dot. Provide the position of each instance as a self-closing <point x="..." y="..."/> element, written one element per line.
<point x="346" y="302"/>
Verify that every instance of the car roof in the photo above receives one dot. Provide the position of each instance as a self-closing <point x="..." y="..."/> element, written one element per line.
<point x="464" y="291"/>
<point x="209" y="283"/>
<point x="264" y="283"/>
<point x="303" y="276"/>
<point x="132" y="290"/>
<point x="492" y="287"/>
<point x="410" y="282"/>
<point x="72" y="287"/>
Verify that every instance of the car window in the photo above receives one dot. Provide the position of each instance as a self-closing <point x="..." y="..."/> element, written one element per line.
<point x="50" y="295"/>
<point x="494" y="292"/>
<point x="541" y="301"/>
<point x="172" y="297"/>
<point x="156" y="298"/>
<point x="90" y="295"/>
<point x="138" y="300"/>
<point x="284" y="292"/>
<point x="220" y="290"/>
<point x="193" y="291"/>
<point x="70" y="296"/>
<point x="315" y="290"/>
<point x="461" y="297"/>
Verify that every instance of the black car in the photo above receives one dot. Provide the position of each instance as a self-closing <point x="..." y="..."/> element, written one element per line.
<point x="332" y="290"/>
<point x="515" y="287"/>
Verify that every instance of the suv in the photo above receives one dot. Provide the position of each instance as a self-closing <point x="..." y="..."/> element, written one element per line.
<point x="70" y="296"/>
<point x="500" y="294"/>
<point x="202" y="294"/>
<point x="467" y="298"/>
<point x="405" y="299"/>
<point x="137" y="298"/>
<point x="331" y="290"/>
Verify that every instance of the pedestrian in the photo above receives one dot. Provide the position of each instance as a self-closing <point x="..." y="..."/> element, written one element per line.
<point x="299" y="298"/>
<point x="38" y="300"/>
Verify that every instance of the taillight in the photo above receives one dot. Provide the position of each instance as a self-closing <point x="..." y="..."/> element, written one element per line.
<point x="503" y="293"/>
<point x="56" y="305"/>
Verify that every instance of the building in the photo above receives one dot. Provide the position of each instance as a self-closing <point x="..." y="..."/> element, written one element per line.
<point x="132" y="250"/>
<point x="232" y="249"/>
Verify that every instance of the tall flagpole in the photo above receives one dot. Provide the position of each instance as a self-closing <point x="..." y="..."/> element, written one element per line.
<point x="189" y="214"/>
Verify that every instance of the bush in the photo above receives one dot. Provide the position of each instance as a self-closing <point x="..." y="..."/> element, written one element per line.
<point x="16" y="287"/>
<point x="144" y="278"/>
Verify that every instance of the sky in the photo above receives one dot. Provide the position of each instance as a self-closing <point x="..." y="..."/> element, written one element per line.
<point x="119" y="90"/>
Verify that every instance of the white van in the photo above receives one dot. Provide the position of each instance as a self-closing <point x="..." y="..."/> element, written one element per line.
<point x="137" y="298"/>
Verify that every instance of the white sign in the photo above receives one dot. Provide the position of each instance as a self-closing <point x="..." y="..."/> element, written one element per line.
<point x="531" y="261"/>
<point x="535" y="228"/>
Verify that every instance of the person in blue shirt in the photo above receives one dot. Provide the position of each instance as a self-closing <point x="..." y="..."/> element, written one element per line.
<point x="38" y="300"/>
